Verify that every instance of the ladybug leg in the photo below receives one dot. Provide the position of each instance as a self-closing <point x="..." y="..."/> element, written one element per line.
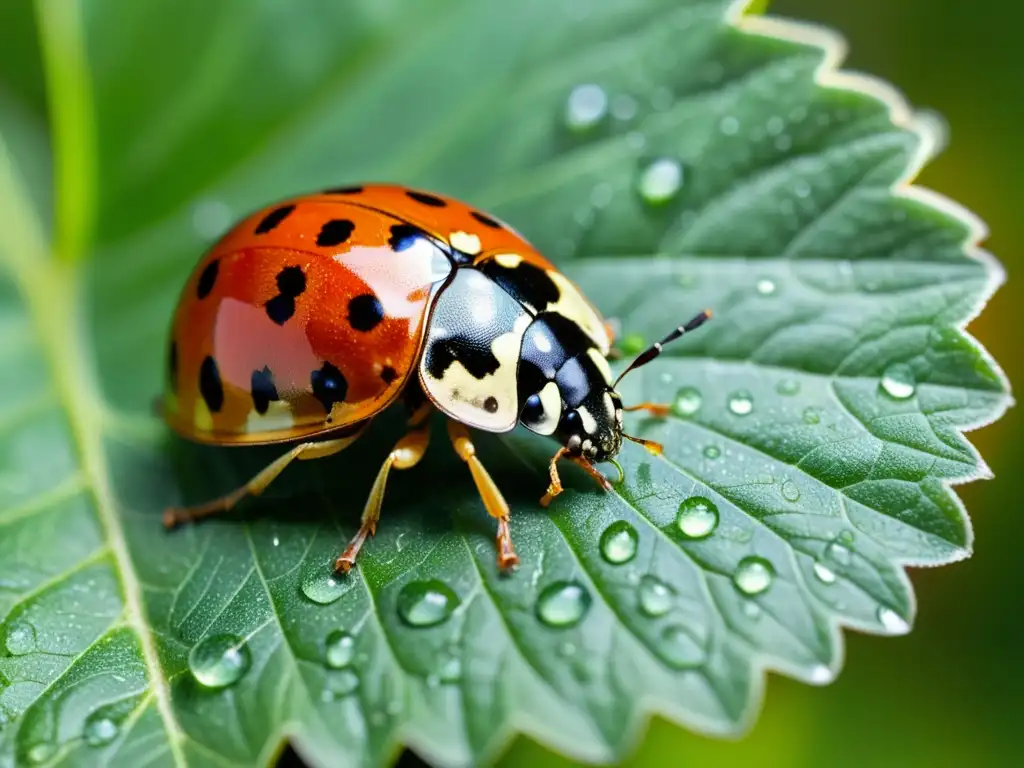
<point x="177" y="515"/>
<point x="495" y="503"/>
<point x="556" y="482"/>
<point x="406" y="454"/>
<point x="655" y="409"/>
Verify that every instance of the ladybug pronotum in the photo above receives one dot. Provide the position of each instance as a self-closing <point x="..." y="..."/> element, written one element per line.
<point x="312" y="316"/>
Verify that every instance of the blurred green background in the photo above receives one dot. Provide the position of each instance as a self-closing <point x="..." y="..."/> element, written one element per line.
<point x="950" y="693"/>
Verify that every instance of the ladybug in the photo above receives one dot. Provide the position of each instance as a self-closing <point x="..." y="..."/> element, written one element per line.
<point x="312" y="316"/>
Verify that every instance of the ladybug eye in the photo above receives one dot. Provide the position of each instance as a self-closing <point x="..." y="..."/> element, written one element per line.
<point x="533" y="409"/>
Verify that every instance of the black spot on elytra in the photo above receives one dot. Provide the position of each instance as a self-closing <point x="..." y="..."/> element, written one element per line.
<point x="263" y="390"/>
<point x="528" y="284"/>
<point x="207" y="279"/>
<point x="478" y="360"/>
<point x="491" y="404"/>
<point x="423" y="197"/>
<point x="404" y="236"/>
<point x="388" y="374"/>
<point x="334" y="232"/>
<point x="487" y="221"/>
<point x="329" y="386"/>
<point x="172" y="365"/>
<point x="210" y="386"/>
<point x="343" y="191"/>
<point x="365" y="312"/>
<point x="273" y="219"/>
<point x="291" y="282"/>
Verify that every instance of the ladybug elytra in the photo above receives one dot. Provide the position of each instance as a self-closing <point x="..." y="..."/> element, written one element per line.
<point x="312" y="316"/>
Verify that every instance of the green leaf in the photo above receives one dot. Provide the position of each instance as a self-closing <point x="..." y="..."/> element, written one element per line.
<point x="817" y="421"/>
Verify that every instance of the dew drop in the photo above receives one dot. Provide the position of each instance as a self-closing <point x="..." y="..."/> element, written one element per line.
<point x="687" y="402"/>
<point x="20" y="639"/>
<point x="586" y="107"/>
<point x="698" y="517"/>
<point x="660" y="180"/>
<point x="824" y="574"/>
<point x="788" y="387"/>
<point x="837" y="553"/>
<point x="339" y="649"/>
<point x="679" y="648"/>
<point x="898" y="381"/>
<point x="339" y="684"/>
<point x="751" y="610"/>
<point x="426" y="603"/>
<point x="632" y="344"/>
<point x="812" y="415"/>
<point x="790" y="491"/>
<point x="100" y="731"/>
<point x="741" y="403"/>
<point x="893" y="623"/>
<point x="729" y="125"/>
<point x="619" y="542"/>
<point x="322" y="586"/>
<point x="450" y="671"/>
<point x="40" y="753"/>
<point x="766" y="286"/>
<point x="563" y="604"/>
<point x="821" y="675"/>
<point x="655" y="596"/>
<point x="220" y="660"/>
<point x="712" y="452"/>
<point x="753" y="575"/>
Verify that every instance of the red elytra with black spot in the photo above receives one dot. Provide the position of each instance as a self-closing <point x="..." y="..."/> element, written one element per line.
<point x="304" y="319"/>
<point x="312" y="316"/>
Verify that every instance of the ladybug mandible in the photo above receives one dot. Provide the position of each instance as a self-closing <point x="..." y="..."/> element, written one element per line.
<point x="310" y="317"/>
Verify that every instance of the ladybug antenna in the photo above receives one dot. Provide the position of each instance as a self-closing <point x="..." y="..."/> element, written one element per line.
<point x="655" y="349"/>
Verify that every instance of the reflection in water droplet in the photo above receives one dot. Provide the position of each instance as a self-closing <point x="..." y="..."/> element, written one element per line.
<point x="838" y="553"/>
<point x="812" y="415"/>
<point x="220" y="660"/>
<point x="563" y="604"/>
<point x="619" y="542"/>
<point x="660" y="180"/>
<point x="322" y="586"/>
<point x="893" y="623"/>
<point x="339" y="649"/>
<point x="712" y="452"/>
<point x="40" y="753"/>
<point x="753" y="575"/>
<point x="20" y="638"/>
<point x="788" y="387"/>
<point x="824" y="574"/>
<point x="765" y="286"/>
<point x="585" y="107"/>
<point x="687" y="402"/>
<point x="632" y="344"/>
<point x="898" y="381"/>
<point x="790" y="491"/>
<point x="99" y="731"/>
<point x="741" y="403"/>
<point x="656" y="597"/>
<point x="426" y="603"/>
<point x="679" y="648"/>
<point x="698" y="517"/>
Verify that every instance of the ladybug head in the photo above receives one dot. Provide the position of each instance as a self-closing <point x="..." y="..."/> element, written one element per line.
<point x="593" y="429"/>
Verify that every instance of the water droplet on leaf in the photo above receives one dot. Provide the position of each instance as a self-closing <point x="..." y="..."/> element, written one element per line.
<point x="426" y="603"/>
<point x="40" y="753"/>
<point x="339" y="649"/>
<point x="563" y="604"/>
<point x="712" y="452"/>
<point x="788" y="387"/>
<point x="812" y="415"/>
<point x="660" y="180"/>
<point x="766" y="287"/>
<point x="656" y="597"/>
<point x="837" y="553"/>
<point x="687" y="402"/>
<point x="824" y="574"/>
<point x="586" y="107"/>
<point x="322" y="586"/>
<point x="679" y="648"/>
<point x="99" y="731"/>
<point x="741" y="403"/>
<point x="753" y="575"/>
<point x="698" y="517"/>
<point x="619" y="542"/>
<point x="220" y="660"/>
<point x="20" y="638"/>
<point x="790" y="491"/>
<point x="898" y="382"/>
<point x="893" y="623"/>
